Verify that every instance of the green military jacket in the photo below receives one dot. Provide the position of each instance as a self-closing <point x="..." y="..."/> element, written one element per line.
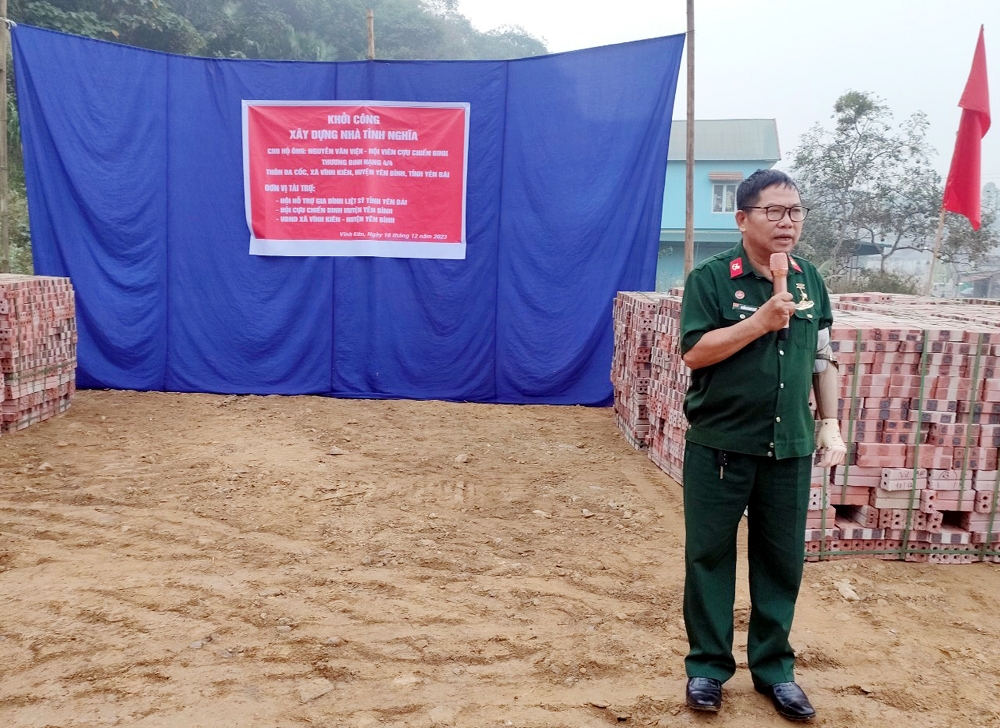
<point x="756" y="402"/>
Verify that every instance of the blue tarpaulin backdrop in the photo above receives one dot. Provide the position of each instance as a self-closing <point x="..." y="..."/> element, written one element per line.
<point x="134" y="161"/>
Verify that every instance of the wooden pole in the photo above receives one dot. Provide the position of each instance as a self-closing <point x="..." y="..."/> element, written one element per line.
<point x="937" y="247"/>
<point x="4" y="207"/>
<point x="689" y="155"/>
<point x="371" y="35"/>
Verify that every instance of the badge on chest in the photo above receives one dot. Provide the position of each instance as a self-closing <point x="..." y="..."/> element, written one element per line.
<point x="804" y="303"/>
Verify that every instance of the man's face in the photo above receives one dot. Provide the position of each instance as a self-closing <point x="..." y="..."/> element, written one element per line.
<point x="761" y="236"/>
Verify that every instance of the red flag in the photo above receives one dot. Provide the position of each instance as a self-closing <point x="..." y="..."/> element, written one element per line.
<point x="961" y="191"/>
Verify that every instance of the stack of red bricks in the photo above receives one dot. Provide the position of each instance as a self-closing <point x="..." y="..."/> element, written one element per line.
<point x="37" y="349"/>
<point x="649" y="377"/>
<point x="668" y="384"/>
<point x="919" y="408"/>
<point x="634" y="317"/>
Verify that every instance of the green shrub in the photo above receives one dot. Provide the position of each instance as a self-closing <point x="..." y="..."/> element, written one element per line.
<point x="873" y="281"/>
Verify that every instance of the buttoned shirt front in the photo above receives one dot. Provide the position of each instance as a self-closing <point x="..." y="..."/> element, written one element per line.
<point x="756" y="402"/>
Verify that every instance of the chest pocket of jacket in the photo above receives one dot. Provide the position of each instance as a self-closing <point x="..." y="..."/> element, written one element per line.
<point x="734" y="315"/>
<point x="805" y="329"/>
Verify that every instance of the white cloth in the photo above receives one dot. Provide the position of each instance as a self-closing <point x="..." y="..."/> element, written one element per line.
<point x="822" y="346"/>
<point x="829" y="444"/>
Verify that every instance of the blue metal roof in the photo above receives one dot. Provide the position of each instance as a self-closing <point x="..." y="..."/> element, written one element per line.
<point x="726" y="139"/>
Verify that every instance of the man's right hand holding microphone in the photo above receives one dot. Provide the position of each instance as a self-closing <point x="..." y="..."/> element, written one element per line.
<point x="776" y="315"/>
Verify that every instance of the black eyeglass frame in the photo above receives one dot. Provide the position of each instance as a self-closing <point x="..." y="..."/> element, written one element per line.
<point x="784" y="211"/>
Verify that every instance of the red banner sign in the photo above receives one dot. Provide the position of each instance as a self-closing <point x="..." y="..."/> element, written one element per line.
<point x="355" y="178"/>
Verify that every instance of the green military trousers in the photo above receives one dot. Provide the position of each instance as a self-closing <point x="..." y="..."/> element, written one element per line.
<point x="776" y="494"/>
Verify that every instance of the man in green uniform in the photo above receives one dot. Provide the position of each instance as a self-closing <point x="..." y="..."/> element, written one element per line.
<point x="754" y="354"/>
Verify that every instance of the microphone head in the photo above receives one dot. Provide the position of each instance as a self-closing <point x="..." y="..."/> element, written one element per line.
<point x="779" y="263"/>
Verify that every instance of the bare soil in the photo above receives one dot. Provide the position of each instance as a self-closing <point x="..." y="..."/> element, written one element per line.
<point x="185" y="561"/>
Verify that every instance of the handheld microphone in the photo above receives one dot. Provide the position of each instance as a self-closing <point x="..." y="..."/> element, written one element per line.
<point x="779" y="277"/>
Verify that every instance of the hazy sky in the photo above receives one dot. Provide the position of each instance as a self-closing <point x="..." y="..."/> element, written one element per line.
<point x="790" y="59"/>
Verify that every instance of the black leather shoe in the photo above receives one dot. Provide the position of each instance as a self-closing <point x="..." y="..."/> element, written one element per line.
<point x="789" y="699"/>
<point x="704" y="693"/>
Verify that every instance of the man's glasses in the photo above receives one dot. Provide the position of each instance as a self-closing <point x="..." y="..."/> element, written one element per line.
<point x="776" y="212"/>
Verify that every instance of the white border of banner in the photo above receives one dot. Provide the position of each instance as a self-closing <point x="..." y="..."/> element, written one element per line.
<point x="366" y="247"/>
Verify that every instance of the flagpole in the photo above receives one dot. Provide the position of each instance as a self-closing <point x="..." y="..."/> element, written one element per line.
<point x="371" y="35"/>
<point x="937" y="248"/>
<point x="4" y="184"/>
<point x="689" y="153"/>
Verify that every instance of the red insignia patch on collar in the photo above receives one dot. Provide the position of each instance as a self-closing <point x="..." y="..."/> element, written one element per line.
<point x="794" y="264"/>
<point x="736" y="267"/>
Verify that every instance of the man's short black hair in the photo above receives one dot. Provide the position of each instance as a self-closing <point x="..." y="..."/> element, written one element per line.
<point x="748" y="193"/>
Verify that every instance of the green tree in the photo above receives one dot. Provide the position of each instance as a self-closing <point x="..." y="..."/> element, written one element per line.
<point x="150" y="24"/>
<point x="871" y="182"/>
<point x="314" y="30"/>
<point x="509" y="41"/>
<point x="966" y="249"/>
<point x="310" y="30"/>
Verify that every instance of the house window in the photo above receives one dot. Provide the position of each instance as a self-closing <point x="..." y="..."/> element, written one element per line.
<point x="723" y="198"/>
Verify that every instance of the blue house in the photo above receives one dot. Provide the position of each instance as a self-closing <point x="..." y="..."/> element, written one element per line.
<point x="726" y="151"/>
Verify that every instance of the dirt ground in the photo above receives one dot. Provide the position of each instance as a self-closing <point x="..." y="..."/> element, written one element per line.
<point x="191" y="561"/>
